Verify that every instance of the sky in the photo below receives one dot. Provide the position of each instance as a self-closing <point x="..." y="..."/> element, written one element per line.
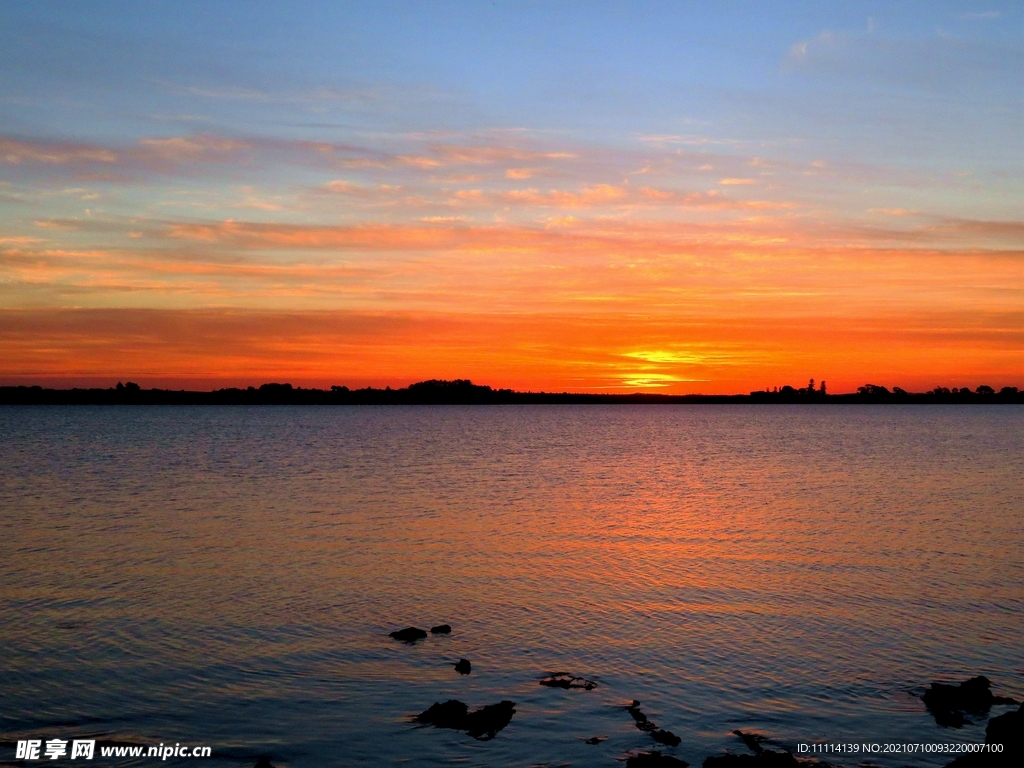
<point x="604" y="196"/>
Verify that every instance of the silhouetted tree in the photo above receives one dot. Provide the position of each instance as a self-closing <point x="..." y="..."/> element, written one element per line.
<point x="873" y="390"/>
<point x="985" y="389"/>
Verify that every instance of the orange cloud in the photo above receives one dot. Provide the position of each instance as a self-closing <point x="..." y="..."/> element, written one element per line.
<point x="599" y="194"/>
<point x="16" y="152"/>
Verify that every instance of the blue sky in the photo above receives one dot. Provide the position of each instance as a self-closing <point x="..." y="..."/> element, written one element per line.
<point x="878" y="79"/>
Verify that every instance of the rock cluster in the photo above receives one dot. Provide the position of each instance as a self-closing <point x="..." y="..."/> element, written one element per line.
<point x="949" y="703"/>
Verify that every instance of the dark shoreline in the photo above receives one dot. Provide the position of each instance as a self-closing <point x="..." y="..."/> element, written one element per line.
<point x="466" y="393"/>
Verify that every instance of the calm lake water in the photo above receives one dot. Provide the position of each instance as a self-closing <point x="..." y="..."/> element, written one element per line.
<point x="229" y="576"/>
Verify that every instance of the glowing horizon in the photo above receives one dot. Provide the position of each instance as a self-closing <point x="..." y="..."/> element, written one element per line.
<point x="678" y="201"/>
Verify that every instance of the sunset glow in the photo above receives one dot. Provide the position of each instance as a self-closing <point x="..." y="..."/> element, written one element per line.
<point x="535" y="197"/>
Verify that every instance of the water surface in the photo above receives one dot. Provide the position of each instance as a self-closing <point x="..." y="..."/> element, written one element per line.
<point x="228" y="576"/>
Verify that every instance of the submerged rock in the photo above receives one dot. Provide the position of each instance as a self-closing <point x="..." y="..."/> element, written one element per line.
<point x="409" y="634"/>
<point x="481" y="724"/>
<point x="654" y="760"/>
<point x="949" y="703"/>
<point x="565" y="680"/>
<point x="595" y="740"/>
<point x="440" y="629"/>
<point x="463" y="667"/>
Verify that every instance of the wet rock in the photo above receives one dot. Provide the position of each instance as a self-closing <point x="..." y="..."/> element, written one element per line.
<point x="641" y="721"/>
<point x="949" y="703"/>
<point x="565" y="680"/>
<point x="667" y="738"/>
<point x="639" y="718"/>
<point x="440" y="629"/>
<point x="1008" y="730"/>
<point x="595" y="740"/>
<point x="654" y="760"/>
<point x="753" y="741"/>
<point x="481" y="724"/>
<point x="486" y="722"/>
<point x="409" y="634"/>
<point x="463" y="667"/>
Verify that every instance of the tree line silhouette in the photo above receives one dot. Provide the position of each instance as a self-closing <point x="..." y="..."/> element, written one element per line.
<point x="465" y="392"/>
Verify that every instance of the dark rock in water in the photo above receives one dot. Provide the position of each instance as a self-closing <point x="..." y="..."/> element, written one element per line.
<point x="481" y="724"/>
<point x="666" y="737"/>
<point x="948" y="703"/>
<point x="484" y="723"/>
<point x="451" y="714"/>
<point x="639" y="718"/>
<point x="752" y="740"/>
<point x="565" y="680"/>
<point x="763" y="759"/>
<point x="1007" y="730"/>
<point x="440" y="629"/>
<point x="655" y="760"/>
<point x="647" y="726"/>
<point x="263" y="762"/>
<point x="594" y="740"/>
<point x="409" y="634"/>
<point x="463" y="667"/>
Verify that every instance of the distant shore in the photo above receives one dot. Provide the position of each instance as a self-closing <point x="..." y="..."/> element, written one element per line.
<point x="464" y="392"/>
